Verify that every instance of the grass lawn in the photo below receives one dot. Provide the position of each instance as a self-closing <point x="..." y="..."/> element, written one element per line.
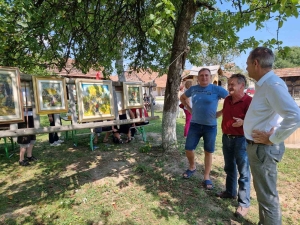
<point x="126" y="184"/>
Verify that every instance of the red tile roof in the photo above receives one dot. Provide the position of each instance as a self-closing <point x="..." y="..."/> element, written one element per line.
<point x="72" y="71"/>
<point x="288" y="72"/>
<point x="147" y="76"/>
<point x="161" y="81"/>
<point x="114" y="77"/>
<point x="144" y="76"/>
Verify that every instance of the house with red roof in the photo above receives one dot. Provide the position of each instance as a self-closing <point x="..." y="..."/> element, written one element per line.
<point x="70" y="71"/>
<point x="291" y="77"/>
<point x="146" y="77"/>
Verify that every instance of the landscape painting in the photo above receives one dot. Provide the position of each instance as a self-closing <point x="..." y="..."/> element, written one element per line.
<point x="133" y="97"/>
<point x="94" y="99"/>
<point x="11" y="110"/>
<point x="50" y="95"/>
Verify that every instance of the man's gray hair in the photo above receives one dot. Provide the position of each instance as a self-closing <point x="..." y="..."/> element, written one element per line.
<point x="240" y="78"/>
<point x="264" y="56"/>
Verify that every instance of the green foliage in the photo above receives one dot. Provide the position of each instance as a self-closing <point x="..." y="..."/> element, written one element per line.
<point x="41" y="34"/>
<point x="145" y="148"/>
<point x="287" y="57"/>
<point x="205" y="57"/>
<point x="214" y="33"/>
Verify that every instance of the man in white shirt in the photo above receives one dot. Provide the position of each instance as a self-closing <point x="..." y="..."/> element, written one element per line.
<point x="273" y="115"/>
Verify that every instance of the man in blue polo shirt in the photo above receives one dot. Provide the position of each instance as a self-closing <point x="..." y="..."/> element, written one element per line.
<point x="205" y="98"/>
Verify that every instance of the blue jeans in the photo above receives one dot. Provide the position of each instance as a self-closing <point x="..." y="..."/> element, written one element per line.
<point x="236" y="160"/>
<point x="196" y="131"/>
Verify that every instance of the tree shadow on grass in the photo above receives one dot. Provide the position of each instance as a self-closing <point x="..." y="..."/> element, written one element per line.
<point x="199" y="206"/>
<point x="186" y="198"/>
<point x="61" y="172"/>
<point x="58" y="172"/>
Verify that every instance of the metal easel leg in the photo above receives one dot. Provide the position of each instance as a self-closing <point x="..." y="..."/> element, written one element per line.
<point x="5" y="147"/>
<point x="142" y="130"/>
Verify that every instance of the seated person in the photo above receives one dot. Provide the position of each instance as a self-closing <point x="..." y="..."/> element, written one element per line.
<point x="98" y="130"/>
<point x="124" y="128"/>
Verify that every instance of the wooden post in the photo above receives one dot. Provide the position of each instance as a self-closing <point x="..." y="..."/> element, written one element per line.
<point x="152" y="98"/>
<point x="116" y="105"/>
<point x="13" y="126"/>
<point x="72" y="102"/>
<point x="57" y="122"/>
<point x="36" y="117"/>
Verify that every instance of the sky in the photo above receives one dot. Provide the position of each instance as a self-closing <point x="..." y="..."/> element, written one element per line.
<point x="289" y="34"/>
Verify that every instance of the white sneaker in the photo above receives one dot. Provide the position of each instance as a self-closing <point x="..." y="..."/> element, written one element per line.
<point x="54" y="144"/>
<point x="60" y="141"/>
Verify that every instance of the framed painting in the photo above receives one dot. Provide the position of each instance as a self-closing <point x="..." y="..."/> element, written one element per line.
<point x="11" y="110"/>
<point x="50" y="95"/>
<point x="133" y="97"/>
<point x="94" y="100"/>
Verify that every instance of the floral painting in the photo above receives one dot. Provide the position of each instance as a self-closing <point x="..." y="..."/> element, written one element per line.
<point x="50" y="95"/>
<point x="94" y="99"/>
<point x="133" y="97"/>
<point x="11" y="110"/>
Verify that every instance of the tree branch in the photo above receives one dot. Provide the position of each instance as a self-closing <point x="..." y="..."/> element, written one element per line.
<point x="204" y="4"/>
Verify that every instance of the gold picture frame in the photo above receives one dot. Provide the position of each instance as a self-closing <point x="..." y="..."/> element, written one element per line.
<point x="50" y="95"/>
<point x="94" y="100"/>
<point x="133" y="96"/>
<point x="11" y="110"/>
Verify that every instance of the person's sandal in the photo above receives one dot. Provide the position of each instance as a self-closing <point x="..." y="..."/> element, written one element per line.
<point x="207" y="184"/>
<point x="188" y="173"/>
<point x="128" y="140"/>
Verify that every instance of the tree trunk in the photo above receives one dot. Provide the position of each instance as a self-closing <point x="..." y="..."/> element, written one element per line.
<point x="120" y="66"/>
<point x="185" y="19"/>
